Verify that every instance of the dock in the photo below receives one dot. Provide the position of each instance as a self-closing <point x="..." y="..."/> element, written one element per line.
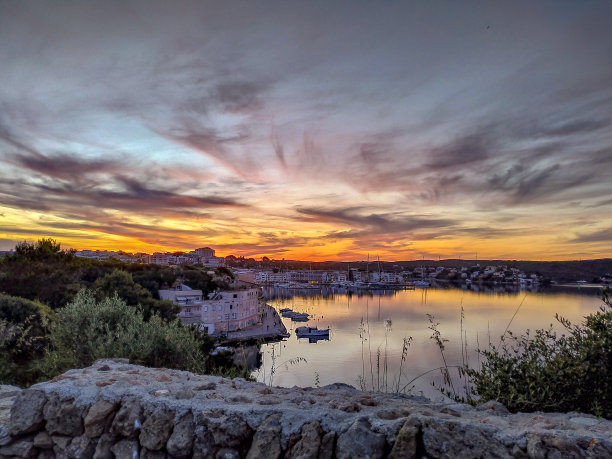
<point x="270" y="328"/>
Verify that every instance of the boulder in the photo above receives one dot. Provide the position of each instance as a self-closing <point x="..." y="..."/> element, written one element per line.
<point x="328" y="443"/>
<point x="180" y="442"/>
<point x="99" y="417"/>
<point x="126" y="449"/>
<point x="128" y="420"/>
<point x="360" y="441"/>
<point x="43" y="440"/>
<point x="81" y="447"/>
<point x="27" y="412"/>
<point x="103" y="448"/>
<point x="63" y="417"/>
<point x="156" y="428"/>
<point x="148" y="454"/>
<point x="406" y="442"/>
<point x="231" y="432"/>
<point x="20" y="448"/>
<point x="266" y="441"/>
<point x="309" y="443"/>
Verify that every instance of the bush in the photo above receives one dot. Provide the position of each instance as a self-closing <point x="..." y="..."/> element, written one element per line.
<point x="23" y="326"/>
<point x="546" y="372"/>
<point x="88" y="329"/>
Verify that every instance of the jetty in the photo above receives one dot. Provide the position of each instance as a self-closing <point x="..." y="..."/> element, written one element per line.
<point x="270" y="328"/>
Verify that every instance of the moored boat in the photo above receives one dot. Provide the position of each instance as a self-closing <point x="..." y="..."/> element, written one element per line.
<point x="306" y="332"/>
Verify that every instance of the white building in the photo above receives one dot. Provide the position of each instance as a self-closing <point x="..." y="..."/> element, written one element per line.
<point x="229" y="311"/>
<point x="222" y="311"/>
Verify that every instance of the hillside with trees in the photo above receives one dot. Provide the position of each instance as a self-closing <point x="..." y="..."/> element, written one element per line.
<point x="44" y="289"/>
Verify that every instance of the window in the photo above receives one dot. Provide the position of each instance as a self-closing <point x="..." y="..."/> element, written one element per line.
<point x="235" y="295"/>
<point x="219" y="317"/>
<point x="205" y="308"/>
<point x="226" y="316"/>
<point x="234" y="316"/>
<point x="231" y="306"/>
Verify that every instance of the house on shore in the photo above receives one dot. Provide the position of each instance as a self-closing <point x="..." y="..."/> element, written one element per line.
<point x="220" y="312"/>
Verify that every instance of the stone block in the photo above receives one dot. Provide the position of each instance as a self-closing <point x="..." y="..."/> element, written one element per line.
<point x="360" y="441"/>
<point x="156" y="428"/>
<point x="128" y="420"/>
<point x="27" y="412"/>
<point x="180" y="442"/>
<point x="266" y="441"/>
<point x="99" y="417"/>
<point x="63" y="417"/>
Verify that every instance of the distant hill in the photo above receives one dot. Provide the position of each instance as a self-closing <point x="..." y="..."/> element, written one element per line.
<point x="560" y="271"/>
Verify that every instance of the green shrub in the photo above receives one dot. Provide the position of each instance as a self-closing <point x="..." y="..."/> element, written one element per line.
<point x="88" y="329"/>
<point x="547" y="372"/>
<point x="22" y="338"/>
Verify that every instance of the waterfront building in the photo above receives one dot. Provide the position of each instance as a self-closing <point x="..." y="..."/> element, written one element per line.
<point x="230" y="311"/>
<point x="220" y="312"/>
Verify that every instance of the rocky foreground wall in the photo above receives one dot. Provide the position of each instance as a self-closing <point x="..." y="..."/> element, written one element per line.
<point x="113" y="409"/>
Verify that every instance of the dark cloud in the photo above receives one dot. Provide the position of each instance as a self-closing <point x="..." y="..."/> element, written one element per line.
<point x="130" y="195"/>
<point x="64" y="166"/>
<point x="463" y="152"/>
<point x="576" y="127"/>
<point x="239" y="96"/>
<point x="604" y="235"/>
<point x="386" y="223"/>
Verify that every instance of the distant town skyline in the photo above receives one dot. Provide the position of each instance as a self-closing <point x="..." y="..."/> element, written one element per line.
<point x="309" y="130"/>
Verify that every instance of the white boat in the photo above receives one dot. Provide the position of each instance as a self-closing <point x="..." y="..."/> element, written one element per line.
<point x="307" y="332"/>
<point x="422" y="284"/>
<point x="295" y="316"/>
<point x="299" y="317"/>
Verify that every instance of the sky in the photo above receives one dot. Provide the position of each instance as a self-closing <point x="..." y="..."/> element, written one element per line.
<point x="313" y="130"/>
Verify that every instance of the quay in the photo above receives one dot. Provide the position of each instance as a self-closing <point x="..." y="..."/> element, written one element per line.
<point x="270" y="328"/>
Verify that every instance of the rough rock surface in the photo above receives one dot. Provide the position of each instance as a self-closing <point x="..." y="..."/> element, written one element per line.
<point x="113" y="409"/>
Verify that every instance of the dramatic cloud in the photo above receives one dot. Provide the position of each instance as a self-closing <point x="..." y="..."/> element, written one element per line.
<point x="313" y="130"/>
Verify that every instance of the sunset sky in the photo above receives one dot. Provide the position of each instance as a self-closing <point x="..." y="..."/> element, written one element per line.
<point x="309" y="130"/>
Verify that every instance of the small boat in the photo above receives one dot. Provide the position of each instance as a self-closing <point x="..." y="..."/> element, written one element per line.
<point x="295" y="316"/>
<point x="299" y="317"/>
<point x="422" y="284"/>
<point x="307" y="332"/>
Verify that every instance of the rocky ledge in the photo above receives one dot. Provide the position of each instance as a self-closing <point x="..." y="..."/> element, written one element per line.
<point x="114" y="409"/>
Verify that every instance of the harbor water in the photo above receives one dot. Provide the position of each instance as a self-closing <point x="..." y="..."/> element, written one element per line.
<point x="382" y="340"/>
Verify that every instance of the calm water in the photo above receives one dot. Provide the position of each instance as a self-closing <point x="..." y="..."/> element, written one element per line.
<point x="364" y="327"/>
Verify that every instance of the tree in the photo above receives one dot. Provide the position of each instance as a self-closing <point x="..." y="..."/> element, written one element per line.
<point x="43" y="249"/>
<point x="23" y="328"/>
<point x="121" y="283"/>
<point x="41" y="271"/>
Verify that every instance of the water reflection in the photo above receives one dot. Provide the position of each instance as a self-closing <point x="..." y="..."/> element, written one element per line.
<point x="369" y="331"/>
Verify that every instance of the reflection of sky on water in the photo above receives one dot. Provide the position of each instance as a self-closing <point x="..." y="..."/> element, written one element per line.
<point x="347" y="356"/>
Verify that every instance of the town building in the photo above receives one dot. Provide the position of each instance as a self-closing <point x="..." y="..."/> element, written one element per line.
<point x="220" y="312"/>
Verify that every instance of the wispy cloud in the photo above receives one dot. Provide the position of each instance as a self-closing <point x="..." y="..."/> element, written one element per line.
<point x="278" y="128"/>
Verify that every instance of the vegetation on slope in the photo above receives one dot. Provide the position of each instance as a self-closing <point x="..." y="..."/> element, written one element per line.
<point x="49" y="323"/>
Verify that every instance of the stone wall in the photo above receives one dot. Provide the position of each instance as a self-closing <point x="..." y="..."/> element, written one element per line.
<point x="113" y="409"/>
